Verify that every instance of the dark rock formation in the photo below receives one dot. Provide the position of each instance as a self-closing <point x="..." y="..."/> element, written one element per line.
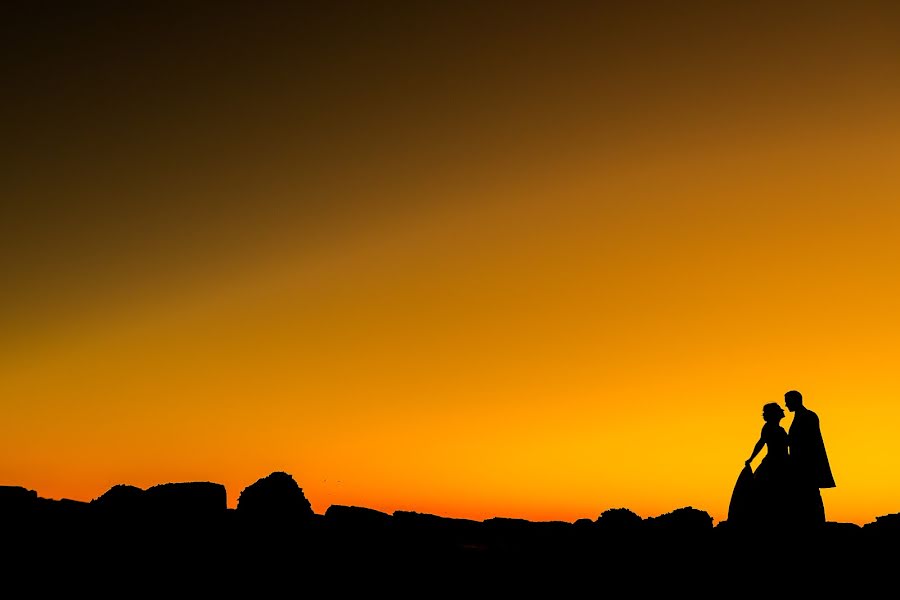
<point x="619" y="521"/>
<point x="190" y="500"/>
<point x="357" y="518"/>
<point x="121" y="499"/>
<point x="682" y="521"/>
<point x="275" y="498"/>
<point x="13" y="497"/>
<point x="182" y="532"/>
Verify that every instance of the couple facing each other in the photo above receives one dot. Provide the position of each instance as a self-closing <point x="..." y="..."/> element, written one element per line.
<point x="784" y="489"/>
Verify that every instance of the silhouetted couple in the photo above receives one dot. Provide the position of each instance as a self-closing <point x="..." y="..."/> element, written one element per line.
<point x="784" y="491"/>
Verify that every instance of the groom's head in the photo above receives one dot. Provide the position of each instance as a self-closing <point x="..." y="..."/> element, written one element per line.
<point x="793" y="400"/>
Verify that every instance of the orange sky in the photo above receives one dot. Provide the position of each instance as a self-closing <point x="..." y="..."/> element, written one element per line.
<point x="532" y="262"/>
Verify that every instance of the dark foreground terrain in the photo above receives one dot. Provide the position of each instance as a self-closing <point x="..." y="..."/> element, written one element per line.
<point x="180" y="539"/>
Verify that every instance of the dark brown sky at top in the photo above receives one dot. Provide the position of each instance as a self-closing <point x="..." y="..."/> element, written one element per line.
<point x="152" y="137"/>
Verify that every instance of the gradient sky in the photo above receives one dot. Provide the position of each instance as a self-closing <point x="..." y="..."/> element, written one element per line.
<point x="531" y="260"/>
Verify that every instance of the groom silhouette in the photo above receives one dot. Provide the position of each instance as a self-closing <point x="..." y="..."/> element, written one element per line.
<point x="808" y="461"/>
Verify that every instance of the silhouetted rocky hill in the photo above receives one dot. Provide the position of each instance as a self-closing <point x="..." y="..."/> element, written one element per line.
<point x="183" y="534"/>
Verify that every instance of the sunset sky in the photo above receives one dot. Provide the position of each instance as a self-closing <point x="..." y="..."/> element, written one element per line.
<point x="473" y="259"/>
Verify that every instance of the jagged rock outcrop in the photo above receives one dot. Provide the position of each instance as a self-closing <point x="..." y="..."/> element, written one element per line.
<point x="275" y="498"/>
<point x="16" y="493"/>
<point x="356" y="518"/>
<point x="189" y="500"/>
<point x="177" y="528"/>
<point x="16" y="498"/>
<point x="618" y="521"/>
<point x="889" y="522"/>
<point x="687" y="520"/>
<point x="357" y="530"/>
<point x="427" y="531"/>
<point x="120" y="500"/>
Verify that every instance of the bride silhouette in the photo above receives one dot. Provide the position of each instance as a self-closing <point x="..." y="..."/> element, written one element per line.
<point x="760" y="498"/>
